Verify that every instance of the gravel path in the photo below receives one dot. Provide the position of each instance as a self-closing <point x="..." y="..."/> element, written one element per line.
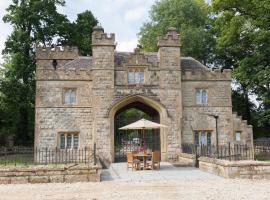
<point x="115" y="190"/>
<point x="167" y="183"/>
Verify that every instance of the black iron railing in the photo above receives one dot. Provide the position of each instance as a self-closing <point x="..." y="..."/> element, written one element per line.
<point x="30" y="156"/>
<point x="262" y="147"/>
<point x="225" y="152"/>
<point x="262" y="150"/>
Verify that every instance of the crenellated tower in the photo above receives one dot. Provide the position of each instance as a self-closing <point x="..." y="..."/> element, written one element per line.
<point x="103" y="46"/>
<point x="170" y="84"/>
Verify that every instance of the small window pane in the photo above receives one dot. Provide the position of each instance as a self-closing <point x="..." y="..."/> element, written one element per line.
<point x="238" y="136"/>
<point x="142" y="77"/>
<point x="209" y="138"/>
<point x="137" y="77"/>
<point x="75" y="141"/>
<point x="203" y="138"/>
<point x="204" y="97"/>
<point x="66" y="97"/>
<point x="198" y="97"/>
<point x="72" y="96"/>
<point x="62" y="141"/>
<point x="69" y="140"/>
<point x="197" y="138"/>
<point x="131" y="77"/>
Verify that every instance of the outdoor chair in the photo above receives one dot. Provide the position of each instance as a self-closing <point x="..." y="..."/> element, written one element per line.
<point x="155" y="160"/>
<point x="131" y="162"/>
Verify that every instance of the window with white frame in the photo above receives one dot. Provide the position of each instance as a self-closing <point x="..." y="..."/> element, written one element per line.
<point x="238" y="136"/>
<point x="136" y="76"/>
<point x="201" y="96"/>
<point x="69" y="141"/>
<point x="69" y="96"/>
<point x="203" y="138"/>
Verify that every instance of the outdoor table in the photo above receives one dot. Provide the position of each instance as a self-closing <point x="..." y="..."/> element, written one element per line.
<point x="143" y="156"/>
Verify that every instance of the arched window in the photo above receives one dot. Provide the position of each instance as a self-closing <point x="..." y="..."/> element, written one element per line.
<point x="201" y="96"/>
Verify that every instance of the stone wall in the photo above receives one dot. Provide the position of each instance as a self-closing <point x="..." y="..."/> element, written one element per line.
<point x="50" y="174"/>
<point x="236" y="169"/>
<point x="54" y="117"/>
<point x="101" y="81"/>
<point x="185" y="160"/>
<point x="242" y="126"/>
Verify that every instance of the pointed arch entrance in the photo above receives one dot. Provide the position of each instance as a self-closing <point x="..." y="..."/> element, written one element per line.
<point x="150" y="109"/>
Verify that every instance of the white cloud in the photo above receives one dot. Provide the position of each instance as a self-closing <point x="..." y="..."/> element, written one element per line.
<point x="5" y="29"/>
<point x="127" y="46"/>
<point x="122" y="17"/>
<point x="135" y="14"/>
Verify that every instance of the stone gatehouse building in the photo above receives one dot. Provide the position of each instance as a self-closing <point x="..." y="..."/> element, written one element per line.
<point x="77" y="98"/>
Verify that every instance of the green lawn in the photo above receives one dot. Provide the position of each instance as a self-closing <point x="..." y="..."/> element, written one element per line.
<point x="17" y="159"/>
<point x="263" y="157"/>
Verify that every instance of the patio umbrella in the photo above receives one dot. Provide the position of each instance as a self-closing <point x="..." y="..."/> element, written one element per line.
<point x="143" y="124"/>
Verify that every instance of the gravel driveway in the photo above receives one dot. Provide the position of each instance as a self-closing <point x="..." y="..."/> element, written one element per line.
<point x="168" y="183"/>
<point x="115" y="190"/>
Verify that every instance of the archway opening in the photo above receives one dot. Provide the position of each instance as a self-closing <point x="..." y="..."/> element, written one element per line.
<point x="134" y="140"/>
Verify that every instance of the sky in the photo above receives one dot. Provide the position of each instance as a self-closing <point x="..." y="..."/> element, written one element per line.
<point x="122" y="17"/>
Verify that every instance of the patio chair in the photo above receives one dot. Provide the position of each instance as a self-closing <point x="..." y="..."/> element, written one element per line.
<point x="131" y="162"/>
<point x="155" y="160"/>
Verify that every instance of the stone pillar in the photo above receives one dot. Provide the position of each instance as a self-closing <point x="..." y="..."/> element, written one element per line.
<point x="170" y="88"/>
<point x="103" y="46"/>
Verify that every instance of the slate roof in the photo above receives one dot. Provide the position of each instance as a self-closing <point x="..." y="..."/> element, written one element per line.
<point x="80" y="62"/>
<point x="187" y="63"/>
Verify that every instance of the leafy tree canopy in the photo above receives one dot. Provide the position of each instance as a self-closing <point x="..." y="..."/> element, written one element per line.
<point x="190" y="17"/>
<point x="34" y="22"/>
<point x="79" y="32"/>
<point x="243" y="43"/>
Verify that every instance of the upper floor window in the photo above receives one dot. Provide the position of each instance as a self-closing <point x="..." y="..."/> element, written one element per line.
<point x="201" y="96"/>
<point x="238" y="136"/>
<point x="69" y="96"/>
<point x="136" y="77"/>
<point x="69" y="140"/>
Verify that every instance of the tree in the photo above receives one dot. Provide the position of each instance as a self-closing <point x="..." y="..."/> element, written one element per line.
<point x="191" y="19"/>
<point x="34" y="22"/>
<point x="243" y="44"/>
<point x="79" y="32"/>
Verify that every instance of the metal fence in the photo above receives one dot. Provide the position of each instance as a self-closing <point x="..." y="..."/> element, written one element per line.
<point x="261" y="147"/>
<point x="262" y="150"/>
<point x="31" y="156"/>
<point x="225" y="152"/>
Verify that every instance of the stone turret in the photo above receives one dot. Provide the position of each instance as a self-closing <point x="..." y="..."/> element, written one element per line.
<point x="103" y="46"/>
<point x="99" y="38"/>
<point x="170" y="84"/>
<point x="171" y="39"/>
<point x="169" y="50"/>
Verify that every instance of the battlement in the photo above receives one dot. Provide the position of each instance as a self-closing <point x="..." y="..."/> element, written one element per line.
<point x="206" y="74"/>
<point x="137" y="58"/>
<point x="57" y="53"/>
<point x="171" y="39"/>
<point x="63" y="74"/>
<point x="99" y="38"/>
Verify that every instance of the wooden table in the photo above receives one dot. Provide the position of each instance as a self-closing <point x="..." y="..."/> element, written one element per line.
<point x="143" y="156"/>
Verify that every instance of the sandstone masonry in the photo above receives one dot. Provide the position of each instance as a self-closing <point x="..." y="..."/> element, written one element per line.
<point x="102" y="87"/>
